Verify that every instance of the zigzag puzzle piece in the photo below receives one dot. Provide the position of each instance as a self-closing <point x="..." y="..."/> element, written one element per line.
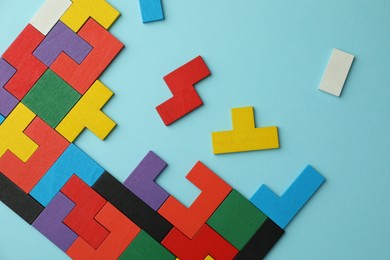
<point x="81" y="10"/>
<point x="142" y="181"/>
<point x="7" y="101"/>
<point x="181" y="83"/>
<point x="213" y="191"/>
<point x="244" y="136"/>
<point x="87" y="114"/>
<point x="151" y="10"/>
<point x="105" y="48"/>
<point x="282" y="210"/>
<point x="12" y="137"/>
<point x="50" y="224"/>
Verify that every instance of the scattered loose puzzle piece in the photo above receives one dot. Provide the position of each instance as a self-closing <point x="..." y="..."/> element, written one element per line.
<point x="51" y="98"/>
<point x="12" y="137"/>
<point x="336" y="73"/>
<point x="283" y="209"/>
<point x="245" y="136"/>
<point x="82" y="217"/>
<point x="181" y="83"/>
<point x="87" y="114"/>
<point x="49" y="14"/>
<point x="145" y="247"/>
<point x="72" y="161"/>
<point x="151" y="10"/>
<point x="19" y="201"/>
<point x="122" y="233"/>
<point x="206" y="242"/>
<point x="29" y="68"/>
<point x="81" y="10"/>
<point x="142" y="181"/>
<point x="62" y="39"/>
<point x="237" y="219"/>
<point x="50" y="224"/>
<point x="105" y="48"/>
<point x="50" y="146"/>
<point x="7" y="101"/>
<point x="213" y="191"/>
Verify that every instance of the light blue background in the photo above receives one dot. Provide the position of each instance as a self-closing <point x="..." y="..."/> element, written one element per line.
<point x="270" y="54"/>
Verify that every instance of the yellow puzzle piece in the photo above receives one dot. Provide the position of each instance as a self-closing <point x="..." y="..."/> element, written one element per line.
<point x="245" y="136"/>
<point x="87" y="114"/>
<point x="81" y="10"/>
<point x="11" y="133"/>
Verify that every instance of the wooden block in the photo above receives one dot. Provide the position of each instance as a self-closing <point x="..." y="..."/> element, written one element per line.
<point x="7" y="101"/>
<point x="132" y="206"/>
<point x="145" y="247"/>
<point x="336" y="73"/>
<point x="142" y="181"/>
<point x="122" y="233"/>
<point x="51" y="98"/>
<point x="62" y="39"/>
<point x="49" y="14"/>
<point x="29" y="68"/>
<point x="209" y="258"/>
<point x="190" y="220"/>
<point x="282" y="210"/>
<point x="19" y="201"/>
<point x="105" y="48"/>
<point x="1" y="119"/>
<point x="244" y="136"/>
<point x="206" y="242"/>
<point x="237" y="219"/>
<point x="181" y="83"/>
<point x="50" y="224"/>
<point x="151" y="10"/>
<point x="262" y="242"/>
<point x="72" y="161"/>
<point x="87" y="114"/>
<point x="81" y="10"/>
<point x="50" y="146"/>
<point x="12" y="137"/>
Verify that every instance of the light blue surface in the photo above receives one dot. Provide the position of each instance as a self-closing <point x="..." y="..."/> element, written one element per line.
<point x="267" y="54"/>
<point x="283" y="208"/>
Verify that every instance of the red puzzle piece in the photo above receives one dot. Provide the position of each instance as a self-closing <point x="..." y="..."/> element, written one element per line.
<point x="190" y="220"/>
<point x="82" y="218"/>
<point x="27" y="174"/>
<point x="29" y="68"/>
<point x="105" y="48"/>
<point x="206" y="242"/>
<point x="181" y="83"/>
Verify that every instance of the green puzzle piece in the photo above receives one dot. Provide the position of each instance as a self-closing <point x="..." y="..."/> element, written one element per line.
<point x="237" y="219"/>
<point x="51" y="98"/>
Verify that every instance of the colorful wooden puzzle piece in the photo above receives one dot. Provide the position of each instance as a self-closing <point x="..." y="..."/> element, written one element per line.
<point x="151" y="10"/>
<point x="245" y="136"/>
<point x="7" y="101"/>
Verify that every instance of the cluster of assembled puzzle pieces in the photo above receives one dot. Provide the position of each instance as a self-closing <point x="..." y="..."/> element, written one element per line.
<point x="50" y="92"/>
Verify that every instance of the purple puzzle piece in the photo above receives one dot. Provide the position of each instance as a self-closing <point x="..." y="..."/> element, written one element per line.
<point x="49" y="223"/>
<point x="7" y="101"/>
<point x="142" y="181"/>
<point x="62" y="39"/>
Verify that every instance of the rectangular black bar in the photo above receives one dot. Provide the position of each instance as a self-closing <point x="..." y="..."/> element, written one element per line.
<point x="133" y="207"/>
<point x="18" y="200"/>
<point x="262" y="242"/>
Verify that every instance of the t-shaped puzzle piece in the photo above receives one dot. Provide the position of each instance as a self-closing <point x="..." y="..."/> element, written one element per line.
<point x="11" y="133"/>
<point x="87" y="114"/>
<point x="190" y="220"/>
<point x="7" y="100"/>
<point x="181" y="83"/>
<point x="283" y="209"/>
<point x="245" y="136"/>
<point x="81" y="10"/>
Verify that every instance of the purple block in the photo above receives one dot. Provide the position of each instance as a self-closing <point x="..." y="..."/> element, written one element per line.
<point x="49" y="223"/>
<point x="142" y="181"/>
<point x="7" y="101"/>
<point x="62" y="39"/>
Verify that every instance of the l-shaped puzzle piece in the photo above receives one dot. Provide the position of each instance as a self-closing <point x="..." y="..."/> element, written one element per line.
<point x="7" y="101"/>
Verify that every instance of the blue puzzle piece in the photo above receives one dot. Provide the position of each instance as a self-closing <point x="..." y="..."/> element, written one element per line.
<point x="283" y="209"/>
<point x="1" y="119"/>
<point x="72" y="161"/>
<point x="151" y="10"/>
